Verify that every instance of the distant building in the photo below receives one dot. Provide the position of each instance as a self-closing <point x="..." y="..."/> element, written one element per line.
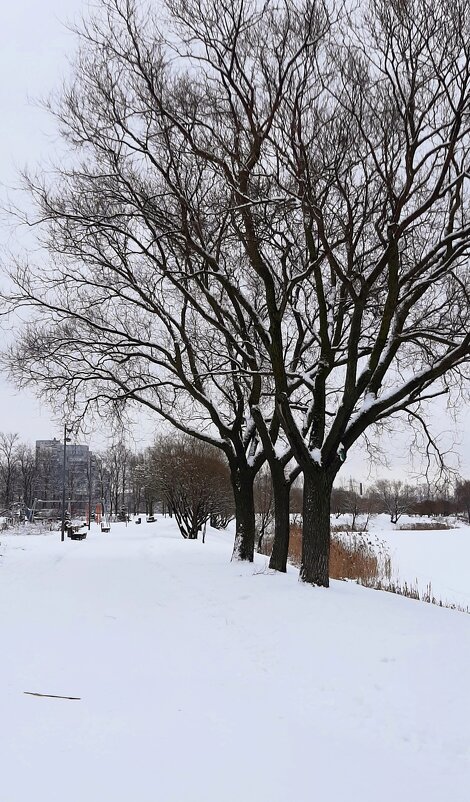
<point x="80" y="472"/>
<point x="49" y="460"/>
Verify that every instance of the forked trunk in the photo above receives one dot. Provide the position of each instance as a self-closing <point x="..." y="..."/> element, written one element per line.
<point x="281" y="492"/>
<point x="244" y="546"/>
<point x="316" y="528"/>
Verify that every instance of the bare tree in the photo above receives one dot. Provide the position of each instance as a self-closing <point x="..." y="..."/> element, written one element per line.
<point x="157" y="290"/>
<point x="222" y="506"/>
<point x="47" y="481"/>
<point x="462" y="497"/>
<point x="138" y="484"/>
<point x="288" y="199"/>
<point x="393" y="497"/>
<point x="339" y="501"/>
<point x="282" y="475"/>
<point x="114" y="473"/>
<point x="26" y="472"/>
<point x="193" y="480"/>
<point x="264" y="505"/>
<point x="103" y="491"/>
<point x="9" y="468"/>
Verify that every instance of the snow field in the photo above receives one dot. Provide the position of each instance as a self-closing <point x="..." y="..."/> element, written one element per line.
<point x="201" y="680"/>
<point x="441" y="558"/>
<point x="422" y="557"/>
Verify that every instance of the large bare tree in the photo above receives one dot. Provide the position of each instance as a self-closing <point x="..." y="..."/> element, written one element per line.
<point x="279" y="191"/>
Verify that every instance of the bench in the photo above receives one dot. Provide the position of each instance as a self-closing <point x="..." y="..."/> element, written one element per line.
<point x="76" y="533"/>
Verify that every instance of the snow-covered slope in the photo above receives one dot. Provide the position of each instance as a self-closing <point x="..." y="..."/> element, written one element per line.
<point x="205" y="681"/>
<point x="441" y="558"/>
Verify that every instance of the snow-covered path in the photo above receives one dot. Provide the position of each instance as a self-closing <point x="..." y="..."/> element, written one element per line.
<point x="205" y="681"/>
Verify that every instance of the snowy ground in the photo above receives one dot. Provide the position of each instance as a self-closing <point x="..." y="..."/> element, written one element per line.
<point x="205" y="681"/>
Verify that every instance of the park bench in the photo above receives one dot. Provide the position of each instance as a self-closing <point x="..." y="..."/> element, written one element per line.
<point x="76" y="532"/>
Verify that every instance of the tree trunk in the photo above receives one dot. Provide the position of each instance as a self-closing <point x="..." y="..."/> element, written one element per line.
<point x="242" y="484"/>
<point x="316" y="528"/>
<point x="281" y="492"/>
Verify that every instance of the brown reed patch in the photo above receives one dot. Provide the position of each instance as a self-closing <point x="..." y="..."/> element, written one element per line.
<point x="351" y="557"/>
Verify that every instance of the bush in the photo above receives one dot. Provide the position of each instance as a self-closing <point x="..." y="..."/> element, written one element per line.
<point x="193" y="480"/>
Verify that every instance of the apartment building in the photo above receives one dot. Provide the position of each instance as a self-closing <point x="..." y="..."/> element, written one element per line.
<point x="80" y="472"/>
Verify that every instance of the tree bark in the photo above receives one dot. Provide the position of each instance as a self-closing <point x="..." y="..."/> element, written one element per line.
<point x="314" y="568"/>
<point x="281" y="492"/>
<point x="244" y="546"/>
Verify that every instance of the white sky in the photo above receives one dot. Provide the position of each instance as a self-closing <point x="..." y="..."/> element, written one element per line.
<point x="34" y="43"/>
<point x="34" y="46"/>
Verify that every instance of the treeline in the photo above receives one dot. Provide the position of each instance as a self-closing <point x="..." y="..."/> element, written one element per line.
<point x="17" y="471"/>
<point x="396" y="498"/>
<point x="178" y="475"/>
<point x="191" y="480"/>
<point x="186" y="478"/>
<point x="183" y="476"/>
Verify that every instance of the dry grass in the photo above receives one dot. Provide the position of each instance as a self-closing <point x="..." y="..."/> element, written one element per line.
<point x="351" y="557"/>
<point x="424" y="526"/>
<point x="359" y="526"/>
<point x="413" y="592"/>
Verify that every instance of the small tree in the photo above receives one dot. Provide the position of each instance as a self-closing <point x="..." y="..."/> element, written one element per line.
<point x="192" y="479"/>
<point x="394" y="498"/>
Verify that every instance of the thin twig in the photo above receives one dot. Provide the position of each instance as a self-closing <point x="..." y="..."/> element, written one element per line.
<point x="52" y="695"/>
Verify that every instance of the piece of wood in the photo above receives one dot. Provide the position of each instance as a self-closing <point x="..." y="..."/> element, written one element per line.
<point x="52" y="695"/>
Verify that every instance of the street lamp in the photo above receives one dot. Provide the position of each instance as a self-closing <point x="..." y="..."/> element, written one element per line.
<point x="89" y="491"/>
<point x="62" y="527"/>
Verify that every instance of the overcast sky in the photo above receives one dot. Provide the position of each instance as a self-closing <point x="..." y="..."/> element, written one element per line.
<point x="35" y="44"/>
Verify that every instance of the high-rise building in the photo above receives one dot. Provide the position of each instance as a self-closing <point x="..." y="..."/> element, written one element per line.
<point x="49" y="461"/>
<point x="80" y="473"/>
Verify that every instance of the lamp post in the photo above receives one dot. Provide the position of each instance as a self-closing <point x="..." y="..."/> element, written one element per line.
<point x="62" y="528"/>
<point x="89" y="492"/>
